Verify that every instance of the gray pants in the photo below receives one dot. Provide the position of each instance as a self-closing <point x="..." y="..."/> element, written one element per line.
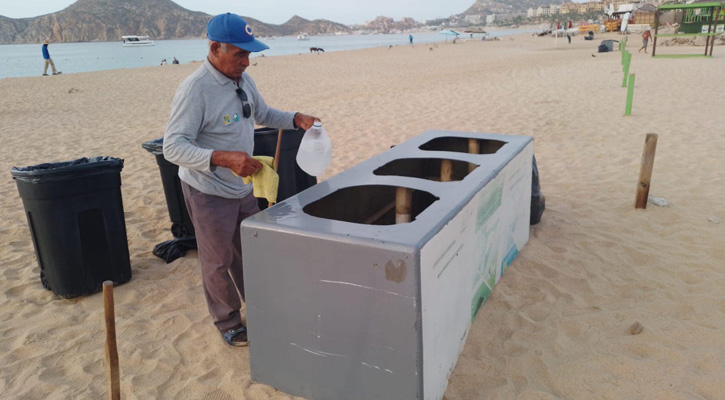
<point x="216" y="222"/>
<point x="49" y="61"/>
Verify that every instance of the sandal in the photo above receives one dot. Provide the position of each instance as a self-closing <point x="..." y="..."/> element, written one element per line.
<point x="236" y="337"/>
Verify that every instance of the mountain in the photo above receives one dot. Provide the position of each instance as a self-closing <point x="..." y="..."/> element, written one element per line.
<point x="486" y="7"/>
<point x="108" y="20"/>
<point x="298" y="24"/>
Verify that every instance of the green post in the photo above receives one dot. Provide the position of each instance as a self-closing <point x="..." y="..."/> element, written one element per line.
<point x="627" y="60"/>
<point x="630" y="94"/>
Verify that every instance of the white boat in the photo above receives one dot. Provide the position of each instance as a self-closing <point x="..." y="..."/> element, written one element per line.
<point x="303" y="36"/>
<point x="136" y="41"/>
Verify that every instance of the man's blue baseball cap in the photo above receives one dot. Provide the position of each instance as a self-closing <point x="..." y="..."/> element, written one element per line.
<point x="231" y="28"/>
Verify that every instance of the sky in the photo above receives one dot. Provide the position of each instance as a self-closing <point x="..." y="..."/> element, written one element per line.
<point x="278" y="11"/>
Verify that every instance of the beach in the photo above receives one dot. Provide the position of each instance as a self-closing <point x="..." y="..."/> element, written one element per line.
<point x="557" y="325"/>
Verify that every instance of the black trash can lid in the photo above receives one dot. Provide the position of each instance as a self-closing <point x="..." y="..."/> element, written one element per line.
<point x="66" y="169"/>
<point x="155" y="147"/>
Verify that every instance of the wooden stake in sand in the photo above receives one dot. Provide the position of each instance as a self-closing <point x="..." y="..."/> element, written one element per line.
<point x="473" y="148"/>
<point x="446" y="170"/>
<point x="112" y="374"/>
<point x="276" y="156"/>
<point x="403" y="205"/>
<point x="645" y="170"/>
<point x="276" y="151"/>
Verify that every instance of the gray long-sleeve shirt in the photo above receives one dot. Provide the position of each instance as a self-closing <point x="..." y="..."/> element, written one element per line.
<point x="206" y="115"/>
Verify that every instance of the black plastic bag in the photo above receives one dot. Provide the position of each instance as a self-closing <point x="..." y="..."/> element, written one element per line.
<point x="66" y="170"/>
<point x="155" y="147"/>
<point x="538" y="201"/>
<point x="172" y="249"/>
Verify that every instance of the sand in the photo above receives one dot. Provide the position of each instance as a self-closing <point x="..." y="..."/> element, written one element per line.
<point x="558" y="323"/>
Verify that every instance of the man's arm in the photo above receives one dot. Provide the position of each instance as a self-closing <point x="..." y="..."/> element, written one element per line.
<point x="304" y="121"/>
<point x="239" y="162"/>
<point x="185" y="123"/>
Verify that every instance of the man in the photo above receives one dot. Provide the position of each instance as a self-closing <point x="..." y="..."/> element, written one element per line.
<point x="210" y="135"/>
<point x="175" y="61"/>
<point x="645" y="39"/>
<point x="48" y="60"/>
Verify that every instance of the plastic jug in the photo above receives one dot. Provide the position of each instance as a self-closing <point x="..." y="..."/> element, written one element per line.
<point x="315" y="150"/>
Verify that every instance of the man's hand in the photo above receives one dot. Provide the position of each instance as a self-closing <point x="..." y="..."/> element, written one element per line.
<point x="239" y="162"/>
<point x="305" y="121"/>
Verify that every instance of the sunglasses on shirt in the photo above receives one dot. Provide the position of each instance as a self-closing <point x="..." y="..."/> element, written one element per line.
<point x="246" y="108"/>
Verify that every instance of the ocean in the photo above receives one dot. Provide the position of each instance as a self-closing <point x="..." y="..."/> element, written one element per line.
<point x="19" y="60"/>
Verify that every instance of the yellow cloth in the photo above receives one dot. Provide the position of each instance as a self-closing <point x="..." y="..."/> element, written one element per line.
<point x="265" y="181"/>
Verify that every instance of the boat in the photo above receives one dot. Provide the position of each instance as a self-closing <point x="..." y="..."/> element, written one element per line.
<point x="136" y="41"/>
<point x="303" y="36"/>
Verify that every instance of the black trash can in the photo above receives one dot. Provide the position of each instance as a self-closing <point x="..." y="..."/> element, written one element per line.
<point x="609" y="43"/>
<point x="292" y="179"/>
<point x="75" y="214"/>
<point x="181" y="225"/>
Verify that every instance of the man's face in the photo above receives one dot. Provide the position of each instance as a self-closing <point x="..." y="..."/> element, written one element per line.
<point x="231" y="62"/>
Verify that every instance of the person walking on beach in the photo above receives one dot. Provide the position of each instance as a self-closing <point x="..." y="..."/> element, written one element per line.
<point x="645" y="39"/>
<point x="410" y="39"/>
<point x="48" y="60"/>
<point x="210" y="135"/>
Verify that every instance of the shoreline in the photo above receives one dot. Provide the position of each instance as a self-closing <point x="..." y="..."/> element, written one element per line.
<point x="99" y="56"/>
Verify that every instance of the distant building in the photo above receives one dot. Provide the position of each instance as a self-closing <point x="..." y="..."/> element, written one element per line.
<point x="617" y="3"/>
<point x="645" y="14"/>
<point x="542" y="11"/>
<point x="595" y="6"/>
<point x="590" y="6"/>
<point x="475" y="19"/>
<point x="569" y="8"/>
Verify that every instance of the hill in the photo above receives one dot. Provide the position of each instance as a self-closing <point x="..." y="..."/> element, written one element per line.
<point x="484" y="7"/>
<point x="108" y="20"/>
<point x="298" y="24"/>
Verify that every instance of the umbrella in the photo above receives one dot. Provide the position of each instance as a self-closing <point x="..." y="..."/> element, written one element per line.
<point x="449" y="32"/>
